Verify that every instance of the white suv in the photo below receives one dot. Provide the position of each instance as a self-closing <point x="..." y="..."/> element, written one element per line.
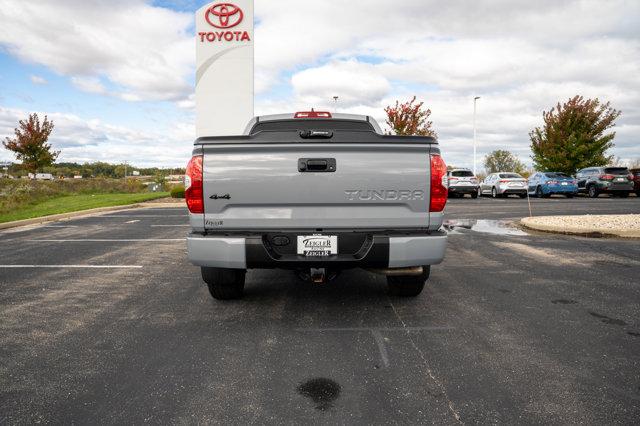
<point x="462" y="181"/>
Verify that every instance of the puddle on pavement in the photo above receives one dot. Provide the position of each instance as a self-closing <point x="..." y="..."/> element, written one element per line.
<point x="321" y="391"/>
<point x="495" y="227"/>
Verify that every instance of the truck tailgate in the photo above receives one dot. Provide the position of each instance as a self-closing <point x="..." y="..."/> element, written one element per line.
<point x="261" y="186"/>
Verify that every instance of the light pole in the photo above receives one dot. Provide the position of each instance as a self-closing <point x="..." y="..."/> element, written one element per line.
<point x="335" y="104"/>
<point x="474" y="134"/>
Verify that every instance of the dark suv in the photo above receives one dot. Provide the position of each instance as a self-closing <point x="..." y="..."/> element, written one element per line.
<point x="636" y="181"/>
<point x="610" y="180"/>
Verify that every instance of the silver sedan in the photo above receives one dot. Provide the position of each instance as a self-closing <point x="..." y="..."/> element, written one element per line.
<point x="504" y="184"/>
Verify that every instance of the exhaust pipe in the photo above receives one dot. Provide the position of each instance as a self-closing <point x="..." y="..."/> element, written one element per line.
<point x="413" y="270"/>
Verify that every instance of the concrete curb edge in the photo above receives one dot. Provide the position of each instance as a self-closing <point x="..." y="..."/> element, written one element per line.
<point x="528" y="223"/>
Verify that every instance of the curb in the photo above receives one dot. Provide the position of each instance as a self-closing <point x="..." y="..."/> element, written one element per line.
<point x="80" y="213"/>
<point x="529" y="223"/>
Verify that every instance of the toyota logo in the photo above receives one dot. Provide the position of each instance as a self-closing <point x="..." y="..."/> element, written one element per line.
<point x="224" y="15"/>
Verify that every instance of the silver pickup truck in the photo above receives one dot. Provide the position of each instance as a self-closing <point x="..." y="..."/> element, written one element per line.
<point x="316" y="193"/>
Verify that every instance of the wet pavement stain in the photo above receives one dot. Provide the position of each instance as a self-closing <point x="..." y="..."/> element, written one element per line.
<point x="564" y="302"/>
<point x="321" y="391"/>
<point x="504" y="290"/>
<point x="633" y="333"/>
<point x="605" y="319"/>
<point x="495" y="227"/>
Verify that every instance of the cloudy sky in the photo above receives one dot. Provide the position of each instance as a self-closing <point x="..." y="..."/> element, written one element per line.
<point x="117" y="76"/>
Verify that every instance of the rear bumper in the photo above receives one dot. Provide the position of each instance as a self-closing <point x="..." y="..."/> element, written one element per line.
<point x="377" y="251"/>
<point x="511" y="190"/>
<point x="463" y="189"/>
<point x="560" y="189"/>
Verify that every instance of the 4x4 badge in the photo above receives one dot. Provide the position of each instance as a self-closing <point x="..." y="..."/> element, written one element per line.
<point x="223" y="197"/>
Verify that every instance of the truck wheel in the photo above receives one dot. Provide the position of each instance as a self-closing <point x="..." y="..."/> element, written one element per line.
<point x="224" y="284"/>
<point x="408" y="285"/>
<point x="593" y="191"/>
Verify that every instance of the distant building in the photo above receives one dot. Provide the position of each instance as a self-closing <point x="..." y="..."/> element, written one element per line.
<point x="135" y="173"/>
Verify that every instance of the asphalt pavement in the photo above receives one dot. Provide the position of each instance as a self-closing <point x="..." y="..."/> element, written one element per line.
<point x="103" y="320"/>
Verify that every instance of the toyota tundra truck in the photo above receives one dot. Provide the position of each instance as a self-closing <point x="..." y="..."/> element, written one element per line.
<point x="316" y="193"/>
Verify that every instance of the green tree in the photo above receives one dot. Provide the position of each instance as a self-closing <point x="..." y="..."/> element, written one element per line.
<point x="409" y="119"/>
<point x="503" y="161"/>
<point x="574" y="136"/>
<point x="30" y="143"/>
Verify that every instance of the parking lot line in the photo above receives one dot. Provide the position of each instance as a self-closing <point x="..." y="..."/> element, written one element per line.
<point x="144" y="215"/>
<point x="108" y="240"/>
<point x="75" y="266"/>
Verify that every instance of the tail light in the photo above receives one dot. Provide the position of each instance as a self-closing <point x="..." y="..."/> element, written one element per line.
<point x="194" y="194"/>
<point x="451" y="179"/>
<point x="631" y="176"/>
<point x="606" y="177"/>
<point x="503" y="181"/>
<point x="439" y="191"/>
<point x="312" y="114"/>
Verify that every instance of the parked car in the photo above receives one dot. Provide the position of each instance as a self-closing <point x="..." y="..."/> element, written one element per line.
<point x="545" y="184"/>
<point x="462" y="181"/>
<point x="636" y="181"/>
<point x="617" y="181"/>
<point x="504" y="184"/>
<point x="315" y="192"/>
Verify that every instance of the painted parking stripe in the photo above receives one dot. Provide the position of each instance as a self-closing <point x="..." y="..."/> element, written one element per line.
<point x="144" y="215"/>
<point x="75" y="266"/>
<point x="106" y="240"/>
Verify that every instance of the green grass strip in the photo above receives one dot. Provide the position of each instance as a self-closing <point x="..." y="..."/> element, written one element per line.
<point x="72" y="203"/>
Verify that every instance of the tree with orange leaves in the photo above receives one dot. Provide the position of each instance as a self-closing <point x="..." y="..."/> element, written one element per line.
<point x="30" y="143"/>
<point x="410" y="119"/>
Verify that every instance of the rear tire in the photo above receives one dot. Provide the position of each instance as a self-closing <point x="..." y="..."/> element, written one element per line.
<point x="408" y="285"/>
<point x="568" y="195"/>
<point x="474" y="194"/>
<point x="539" y="193"/>
<point x="624" y="194"/>
<point x="593" y="191"/>
<point x="523" y="195"/>
<point x="494" y="193"/>
<point x="223" y="283"/>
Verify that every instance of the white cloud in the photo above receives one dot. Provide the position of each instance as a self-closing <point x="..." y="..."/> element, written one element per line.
<point x="36" y="79"/>
<point x="94" y="140"/>
<point x="145" y="51"/>
<point x="89" y="85"/>
<point x="355" y="83"/>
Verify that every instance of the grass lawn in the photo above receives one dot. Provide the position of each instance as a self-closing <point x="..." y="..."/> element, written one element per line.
<point x="72" y="203"/>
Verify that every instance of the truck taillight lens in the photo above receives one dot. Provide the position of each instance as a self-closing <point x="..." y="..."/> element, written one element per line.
<point x="193" y="193"/>
<point x="439" y="190"/>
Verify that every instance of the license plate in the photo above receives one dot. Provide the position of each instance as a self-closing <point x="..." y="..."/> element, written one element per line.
<point x="515" y="184"/>
<point x="565" y="183"/>
<point x="317" y="245"/>
<point x="620" y="179"/>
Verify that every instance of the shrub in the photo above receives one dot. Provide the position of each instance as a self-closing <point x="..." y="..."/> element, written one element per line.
<point x="177" y="191"/>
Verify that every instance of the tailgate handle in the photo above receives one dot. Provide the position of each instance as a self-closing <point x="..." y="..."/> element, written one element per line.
<point x="317" y="165"/>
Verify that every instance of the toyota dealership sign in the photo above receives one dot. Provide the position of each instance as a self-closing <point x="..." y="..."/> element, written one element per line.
<point x="224" y="67"/>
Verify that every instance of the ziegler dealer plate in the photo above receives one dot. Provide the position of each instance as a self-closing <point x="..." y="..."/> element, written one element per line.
<point x="317" y="245"/>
